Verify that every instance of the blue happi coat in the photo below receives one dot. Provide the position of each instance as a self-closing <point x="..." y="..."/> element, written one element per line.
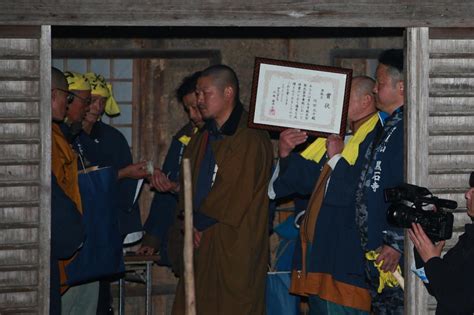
<point x="106" y="146"/>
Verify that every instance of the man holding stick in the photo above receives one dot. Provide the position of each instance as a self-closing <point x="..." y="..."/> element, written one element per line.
<point x="230" y="166"/>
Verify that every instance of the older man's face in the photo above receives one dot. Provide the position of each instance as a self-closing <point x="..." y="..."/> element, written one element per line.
<point x="59" y="103"/>
<point x="96" y="108"/>
<point x="355" y="106"/>
<point x="79" y="106"/>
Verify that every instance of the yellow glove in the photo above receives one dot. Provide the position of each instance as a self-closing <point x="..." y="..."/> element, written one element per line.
<point x="385" y="278"/>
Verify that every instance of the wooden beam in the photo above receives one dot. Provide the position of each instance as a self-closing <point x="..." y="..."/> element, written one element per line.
<point x="323" y="13"/>
<point x="20" y="31"/>
<point x="452" y="33"/>
<point x="213" y="55"/>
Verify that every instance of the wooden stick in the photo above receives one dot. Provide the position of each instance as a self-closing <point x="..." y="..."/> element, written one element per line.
<point x="400" y="279"/>
<point x="189" y="291"/>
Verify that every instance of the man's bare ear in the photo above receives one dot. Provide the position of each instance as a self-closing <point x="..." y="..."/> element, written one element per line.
<point x="367" y="99"/>
<point x="401" y="85"/>
<point x="229" y="92"/>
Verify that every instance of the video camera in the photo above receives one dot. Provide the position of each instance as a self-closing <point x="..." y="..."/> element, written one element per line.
<point x="437" y="224"/>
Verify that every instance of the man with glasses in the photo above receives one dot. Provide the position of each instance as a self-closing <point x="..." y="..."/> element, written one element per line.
<point x="83" y="299"/>
<point x="80" y="299"/>
<point x="67" y="232"/>
<point x="79" y="100"/>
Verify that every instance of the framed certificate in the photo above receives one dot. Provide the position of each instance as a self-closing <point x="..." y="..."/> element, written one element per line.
<point x="296" y="95"/>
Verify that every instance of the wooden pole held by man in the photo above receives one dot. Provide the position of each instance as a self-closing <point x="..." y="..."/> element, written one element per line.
<point x="190" y="295"/>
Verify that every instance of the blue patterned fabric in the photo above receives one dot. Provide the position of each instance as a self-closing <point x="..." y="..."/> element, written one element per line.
<point x="383" y="169"/>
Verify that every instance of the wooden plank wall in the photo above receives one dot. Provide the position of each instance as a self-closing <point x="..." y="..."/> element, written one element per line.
<point x="441" y="126"/>
<point x="25" y="124"/>
<point x="451" y="120"/>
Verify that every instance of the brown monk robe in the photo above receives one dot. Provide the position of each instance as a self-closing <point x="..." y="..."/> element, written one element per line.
<point x="231" y="261"/>
<point x="64" y="167"/>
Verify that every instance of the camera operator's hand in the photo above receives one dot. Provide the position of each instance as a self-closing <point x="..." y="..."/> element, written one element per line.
<point x="289" y="139"/>
<point x="469" y="202"/>
<point x="390" y="257"/>
<point x="424" y="246"/>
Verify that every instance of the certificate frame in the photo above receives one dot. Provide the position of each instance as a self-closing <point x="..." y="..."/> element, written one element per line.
<point x="275" y="79"/>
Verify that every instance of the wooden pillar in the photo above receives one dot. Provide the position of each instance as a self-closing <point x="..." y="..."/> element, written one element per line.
<point x="45" y="170"/>
<point x="417" y="93"/>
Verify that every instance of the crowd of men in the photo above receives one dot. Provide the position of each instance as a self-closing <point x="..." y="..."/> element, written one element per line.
<point x="234" y="180"/>
<point x="80" y="141"/>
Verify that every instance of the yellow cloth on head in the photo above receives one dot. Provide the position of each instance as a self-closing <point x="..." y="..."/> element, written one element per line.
<point x="386" y="279"/>
<point x="316" y="150"/>
<point x="102" y="88"/>
<point x="77" y="81"/>
<point x="111" y="106"/>
<point x="97" y="83"/>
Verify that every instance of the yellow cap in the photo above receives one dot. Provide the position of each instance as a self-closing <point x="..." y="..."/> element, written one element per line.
<point x="77" y="81"/>
<point x="100" y="87"/>
<point x="97" y="83"/>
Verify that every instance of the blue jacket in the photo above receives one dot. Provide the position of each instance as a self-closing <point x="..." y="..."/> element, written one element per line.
<point x="296" y="176"/>
<point x="336" y="248"/>
<point x="387" y="165"/>
<point x="162" y="210"/>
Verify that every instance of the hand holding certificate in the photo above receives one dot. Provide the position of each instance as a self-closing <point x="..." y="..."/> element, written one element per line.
<point x="295" y="95"/>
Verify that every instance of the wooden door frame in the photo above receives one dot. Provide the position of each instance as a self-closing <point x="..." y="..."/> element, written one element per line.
<point x="416" y="127"/>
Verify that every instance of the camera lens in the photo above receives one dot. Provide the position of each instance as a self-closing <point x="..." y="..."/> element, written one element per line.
<point x="399" y="215"/>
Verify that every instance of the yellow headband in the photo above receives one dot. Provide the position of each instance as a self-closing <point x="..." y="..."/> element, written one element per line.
<point x="77" y="81"/>
<point x="97" y="83"/>
<point x="100" y="87"/>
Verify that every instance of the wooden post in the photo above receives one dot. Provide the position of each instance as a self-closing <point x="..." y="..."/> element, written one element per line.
<point x="190" y="296"/>
<point x="45" y="170"/>
<point x="417" y="150"/>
